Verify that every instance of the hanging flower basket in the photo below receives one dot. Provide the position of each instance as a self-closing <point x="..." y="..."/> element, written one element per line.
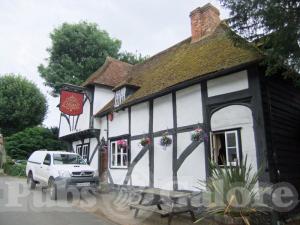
<point x="145" y="141"/>
<point x="165" y="141"/>
<point x="122" y="143"/>
<point x="197" y="135"/>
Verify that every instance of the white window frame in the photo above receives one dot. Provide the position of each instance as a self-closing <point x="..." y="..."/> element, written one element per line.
<point x="78" y="148"/>
<point x="114" y="156"/>
<point x="85" y="151"/>
<point x="237" y="145"/>
<point x="120" y="96"/>
<point x="235" y="132"/>
<point x="84" y="148"/>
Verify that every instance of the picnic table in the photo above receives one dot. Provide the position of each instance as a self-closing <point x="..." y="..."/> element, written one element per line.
<point x="159" y="198"/>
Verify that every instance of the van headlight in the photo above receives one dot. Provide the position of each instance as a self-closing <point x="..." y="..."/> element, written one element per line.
<point x="96" y="173"/>
<point x="64" y="173"/>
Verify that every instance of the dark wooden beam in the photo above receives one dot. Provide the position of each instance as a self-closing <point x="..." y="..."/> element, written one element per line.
<point x="174" y="157"/>
<point x="151" y="146"/>
<point x="140" y="155"/>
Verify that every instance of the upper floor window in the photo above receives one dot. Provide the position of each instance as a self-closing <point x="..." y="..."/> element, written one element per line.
<point x="120" y="96"/>
<point x="225" y="148"/>
<point x="119" y="154"/>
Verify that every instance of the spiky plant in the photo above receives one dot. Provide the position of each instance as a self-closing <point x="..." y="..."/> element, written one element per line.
<point x="232" y="191"/>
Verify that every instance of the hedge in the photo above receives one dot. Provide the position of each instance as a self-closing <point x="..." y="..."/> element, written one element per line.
<point x="15" y="169"/>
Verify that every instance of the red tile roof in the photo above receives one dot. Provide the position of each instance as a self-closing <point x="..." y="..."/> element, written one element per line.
<point x="111" y="73"/>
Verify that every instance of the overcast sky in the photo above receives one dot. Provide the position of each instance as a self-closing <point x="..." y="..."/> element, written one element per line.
<point x="144" y="26"/>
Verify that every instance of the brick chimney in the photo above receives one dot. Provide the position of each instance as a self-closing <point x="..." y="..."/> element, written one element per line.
<point x="204" y="21"/>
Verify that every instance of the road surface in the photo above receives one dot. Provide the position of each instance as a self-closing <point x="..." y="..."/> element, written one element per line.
<point x="19" y="206"/>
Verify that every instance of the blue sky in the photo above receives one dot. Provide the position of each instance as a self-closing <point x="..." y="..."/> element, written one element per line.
<point x="144" y="26"/>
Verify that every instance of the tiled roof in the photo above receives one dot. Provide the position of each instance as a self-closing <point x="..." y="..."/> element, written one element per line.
<point x="111" y="73"/>
<point x="186" y="61"/>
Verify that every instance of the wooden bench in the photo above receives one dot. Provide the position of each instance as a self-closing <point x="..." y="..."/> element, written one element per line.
<point x="162" y="212"/>
<point x="155" y="205"/>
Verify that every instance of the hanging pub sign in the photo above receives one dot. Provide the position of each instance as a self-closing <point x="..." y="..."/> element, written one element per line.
<point x="71" y="103"/>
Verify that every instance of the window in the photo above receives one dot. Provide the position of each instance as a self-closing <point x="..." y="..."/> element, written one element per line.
<point x="61" y="159"/>
<point x="225" y="148"/>
<point x="47" y="160"/>
<point x="119" y="154"/>
<point x="120" y="96"/>
<point x="83" y="150"/>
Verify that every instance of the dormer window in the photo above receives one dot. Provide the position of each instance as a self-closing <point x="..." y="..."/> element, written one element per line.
<point x="122" y="92"/>
<point x="120" y="96"/>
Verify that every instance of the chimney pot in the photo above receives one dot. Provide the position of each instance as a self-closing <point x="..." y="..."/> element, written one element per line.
<point x="204" y="20"/>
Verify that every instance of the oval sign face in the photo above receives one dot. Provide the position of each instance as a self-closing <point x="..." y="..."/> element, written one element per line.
<point x="71" y="103"/>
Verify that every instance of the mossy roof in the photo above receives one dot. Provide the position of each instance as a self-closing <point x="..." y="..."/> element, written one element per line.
<point x="185" y="61"/>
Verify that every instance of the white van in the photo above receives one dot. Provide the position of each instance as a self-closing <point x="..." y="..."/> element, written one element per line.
<point x="59" y="170"/>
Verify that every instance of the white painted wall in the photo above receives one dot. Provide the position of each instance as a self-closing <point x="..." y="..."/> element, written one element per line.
<point x="95" y="161"/>
<point x="102" y="96"/>
<point x="163" y="171"/>
<point x="84" y="119"/>
<point x="238" y="116"/>
<point x="140" y="173"/>
<point x="118" y="175"/>
<point x="162" y="113"/>
<point x="193" y="168"/>
<point x="227" y="84"/>
<point x="189" y="106"/>
<point x="140" y="119"/>
<point x="64" y="128"/>
<point x="101" y="123"/>
<point x="103" y="128"/>
<point x="120" y="123"/>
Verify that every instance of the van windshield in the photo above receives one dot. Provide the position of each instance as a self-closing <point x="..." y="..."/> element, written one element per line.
<point x="60" y="159"/>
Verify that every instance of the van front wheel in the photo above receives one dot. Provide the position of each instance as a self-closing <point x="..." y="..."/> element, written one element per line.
<point x="30" y="182"/>
<point x="52" y="189"/>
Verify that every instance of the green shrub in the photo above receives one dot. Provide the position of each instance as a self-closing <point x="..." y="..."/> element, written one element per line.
<point x="9" y="160"/>
<point x="20" y="145"/>
<point x="219" y="187"/>
<point x="15" y="169"/>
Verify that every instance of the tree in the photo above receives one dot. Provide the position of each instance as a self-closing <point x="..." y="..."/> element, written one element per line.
<point x="274" y="25"/>
<point x="77" y="51"/>
<point x="22" y="104"/>
<point x="132" y="58"/>
<point x="22" y="144"/>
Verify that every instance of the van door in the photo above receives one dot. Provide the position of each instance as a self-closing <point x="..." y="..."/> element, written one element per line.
<point x="45" y="169"/>
<point x="36" y="160"/>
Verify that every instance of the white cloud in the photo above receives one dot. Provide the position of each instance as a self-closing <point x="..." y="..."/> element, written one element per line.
<point x="144" y="26"/>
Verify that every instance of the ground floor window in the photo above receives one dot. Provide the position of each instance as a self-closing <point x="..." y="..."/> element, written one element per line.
<point x="226" y="147"/>
<point x="83" y="150"/>
<point x="119" y="153"/>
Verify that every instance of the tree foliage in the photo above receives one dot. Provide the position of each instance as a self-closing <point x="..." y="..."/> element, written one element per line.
<point x="132" y="58"/>
<point x="77" y="51"/>
<point x="22" y="144"/>
<point x="22" y="104"/>
<point x="276" y="24"/>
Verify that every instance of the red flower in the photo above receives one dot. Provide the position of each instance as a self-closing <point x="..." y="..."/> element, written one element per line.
<point x="122" y="142"/>
<point x="198" y="130"/>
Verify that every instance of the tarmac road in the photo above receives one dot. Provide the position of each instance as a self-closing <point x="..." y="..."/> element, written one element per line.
<point x="19" y="206"/>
